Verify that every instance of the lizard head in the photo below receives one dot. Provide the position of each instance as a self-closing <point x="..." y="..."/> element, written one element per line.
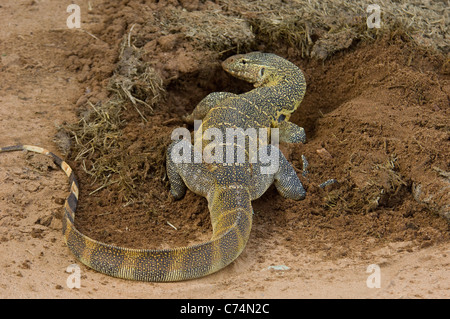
<point x="254" y="67"/>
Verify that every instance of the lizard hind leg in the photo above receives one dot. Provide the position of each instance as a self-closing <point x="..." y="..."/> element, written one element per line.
<point x="177" y="185"/>
<point x="287" y="182"/>
<point x="186" y="173"/>
<point x="283" y="176"/>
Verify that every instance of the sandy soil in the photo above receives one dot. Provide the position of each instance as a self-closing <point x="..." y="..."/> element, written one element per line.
<point x="376" y="117"/>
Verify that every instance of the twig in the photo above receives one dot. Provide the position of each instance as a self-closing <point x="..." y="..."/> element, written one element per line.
<point x="171" y="225"/>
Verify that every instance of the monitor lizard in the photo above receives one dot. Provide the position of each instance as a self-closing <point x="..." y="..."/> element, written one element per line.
<point x="229" y="187"/>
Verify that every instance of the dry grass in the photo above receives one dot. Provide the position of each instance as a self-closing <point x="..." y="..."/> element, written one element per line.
<point x="96" y="138"/>
<point x="213" y="30"/>
<point x="135" y="80"/>
<point x="301" y="24"/>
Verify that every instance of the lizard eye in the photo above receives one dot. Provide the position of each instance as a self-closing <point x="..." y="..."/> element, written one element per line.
<point x="281" y="118"/>
<point x="261" y="72"/>
<point x="244" y="62"/>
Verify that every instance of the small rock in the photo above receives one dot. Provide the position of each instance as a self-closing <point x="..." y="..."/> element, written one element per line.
<point x="324" y="153"/>
<point x="279" y="267"/>
<point x="59" y="201"/>
<point x="32" y="187"/>
<point x="44" y="220"/>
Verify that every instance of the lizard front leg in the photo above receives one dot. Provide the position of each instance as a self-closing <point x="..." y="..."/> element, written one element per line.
<point x="291" y="133"/>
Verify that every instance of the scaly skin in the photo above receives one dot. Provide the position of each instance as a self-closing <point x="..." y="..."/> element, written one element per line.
<point x="229" y="188"/>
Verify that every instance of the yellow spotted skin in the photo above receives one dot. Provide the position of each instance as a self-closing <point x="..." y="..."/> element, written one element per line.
<point x="229" y="189"/>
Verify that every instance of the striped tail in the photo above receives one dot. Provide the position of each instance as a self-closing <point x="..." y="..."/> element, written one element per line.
<point x="231" y="215"/>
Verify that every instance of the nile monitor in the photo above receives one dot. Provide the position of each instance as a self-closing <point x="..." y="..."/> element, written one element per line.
<point x="228" y="187"/>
